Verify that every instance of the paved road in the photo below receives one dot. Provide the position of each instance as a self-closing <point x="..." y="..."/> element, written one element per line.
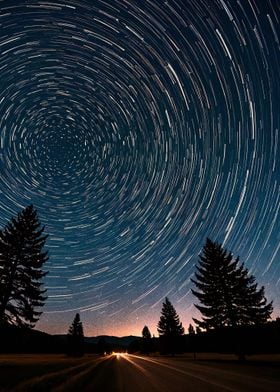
<point x="129" y="373"/>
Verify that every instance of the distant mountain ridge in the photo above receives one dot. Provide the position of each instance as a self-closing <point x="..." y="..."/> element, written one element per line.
<point x="15" y="340"/>
<point x="124" y="341"/>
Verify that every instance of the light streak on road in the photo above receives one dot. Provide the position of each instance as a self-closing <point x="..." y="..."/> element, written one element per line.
<point x="133" y="358"/>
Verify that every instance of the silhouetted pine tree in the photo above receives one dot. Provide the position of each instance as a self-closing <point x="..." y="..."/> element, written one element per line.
<point x="191" y="330"/>
<point x="146" y="340"/>
<point x="170" y="329"/>
<point x="228" y="294"/>
<point x="252" y="308"/>
<point x="192" y="340"/>
<point x="146" y="334"/>
<point x="76" y="337"/>
<point x="21" y="262"/>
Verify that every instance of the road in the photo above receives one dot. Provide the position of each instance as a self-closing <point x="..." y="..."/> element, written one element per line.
<point x="131" y="373"/>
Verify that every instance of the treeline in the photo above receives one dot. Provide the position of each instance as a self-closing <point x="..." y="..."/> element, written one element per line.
<point x="252" y="339"/>
<point x="234" y="311"/>
<point x="241" y="341"/>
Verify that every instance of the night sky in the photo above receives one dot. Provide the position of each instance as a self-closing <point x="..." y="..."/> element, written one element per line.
<point x="137" y="129"/>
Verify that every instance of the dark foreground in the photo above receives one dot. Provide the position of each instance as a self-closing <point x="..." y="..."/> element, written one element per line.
<point x="132" y="373"/>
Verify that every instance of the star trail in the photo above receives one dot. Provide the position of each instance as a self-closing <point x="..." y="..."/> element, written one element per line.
<point x="138" y="129"/>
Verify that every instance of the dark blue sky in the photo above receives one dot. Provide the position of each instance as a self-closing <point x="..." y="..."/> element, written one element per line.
<point x="137" y="129"/>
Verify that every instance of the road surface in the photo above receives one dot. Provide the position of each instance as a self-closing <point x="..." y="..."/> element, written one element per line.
<point x="131" y="373"/>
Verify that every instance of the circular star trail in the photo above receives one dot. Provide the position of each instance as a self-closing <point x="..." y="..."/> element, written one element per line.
<point x="138" y="129"/>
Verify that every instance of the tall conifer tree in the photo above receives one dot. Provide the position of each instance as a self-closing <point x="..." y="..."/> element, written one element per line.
<point x="76" y="337"/>
<point x="146" y="340"/>
<point x="21" y="261"/>
<point x="146" y="334"/>
<point x="170" y="328"/>
<point x="229" y="296"/>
